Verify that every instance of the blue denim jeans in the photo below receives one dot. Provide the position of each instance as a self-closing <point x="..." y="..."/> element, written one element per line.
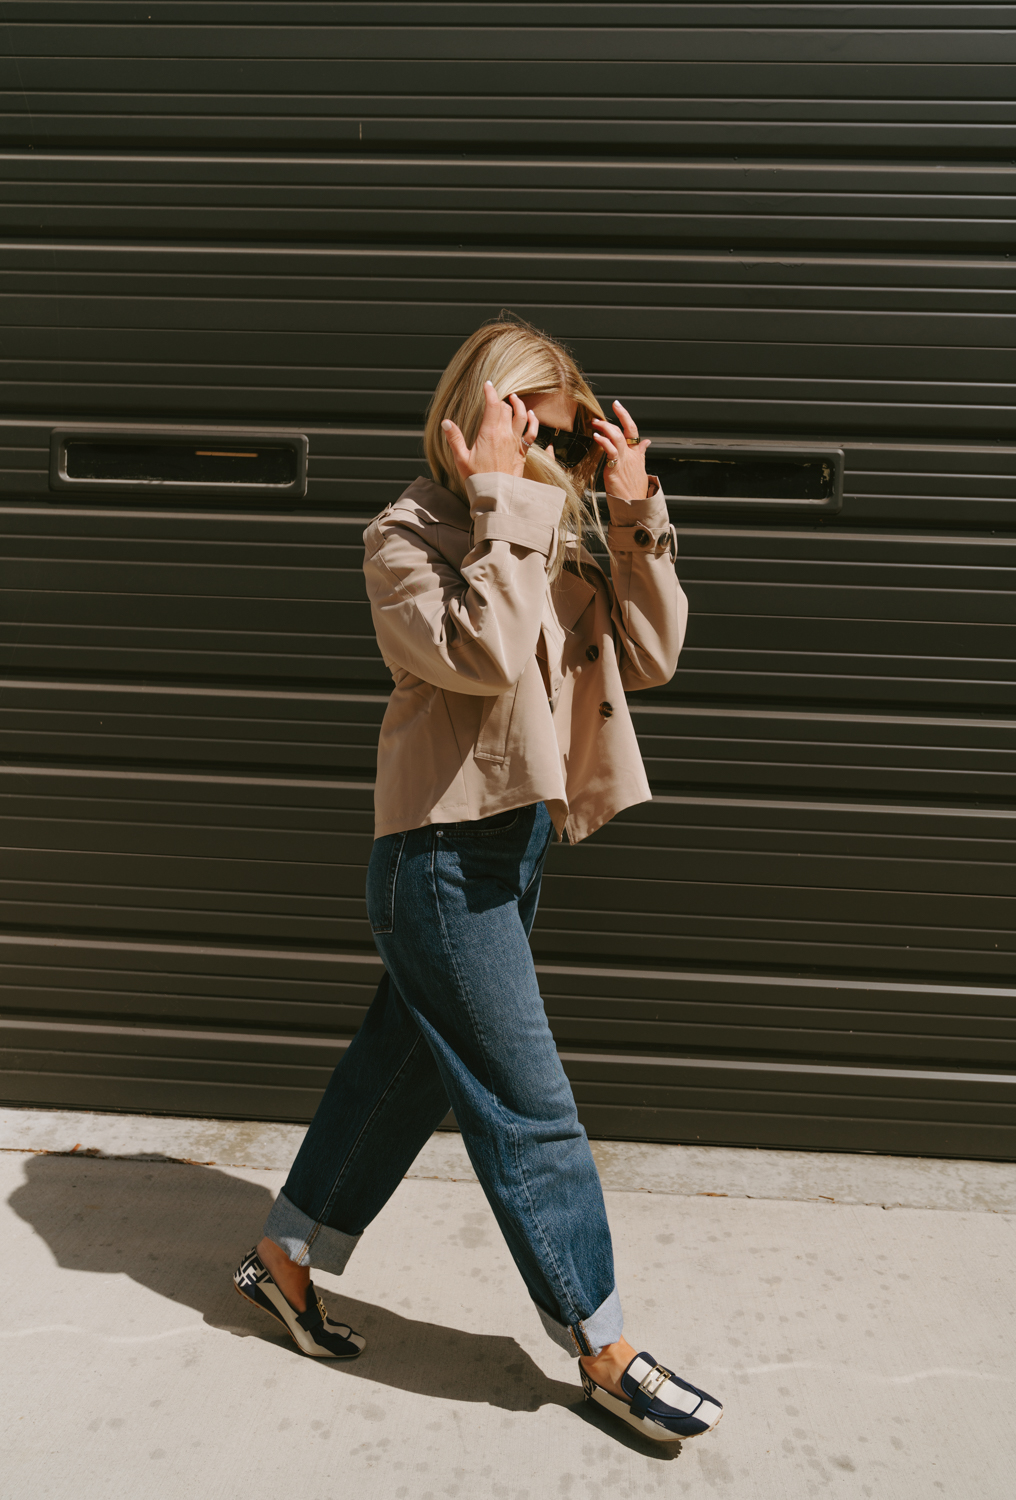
<point x="458" y="1019"/>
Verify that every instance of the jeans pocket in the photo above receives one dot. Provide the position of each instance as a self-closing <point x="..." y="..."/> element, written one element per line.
<point x="475" y="828"/>
<point x="382" y="873"/>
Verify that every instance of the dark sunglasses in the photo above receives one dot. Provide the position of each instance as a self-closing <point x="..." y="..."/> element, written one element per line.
<point x="570" y="448"/>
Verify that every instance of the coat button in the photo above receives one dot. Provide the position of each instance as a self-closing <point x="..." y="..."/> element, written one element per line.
<point x="606" y="710"/>
<point x="642" y="537"/>
<point x="592" y="652"/>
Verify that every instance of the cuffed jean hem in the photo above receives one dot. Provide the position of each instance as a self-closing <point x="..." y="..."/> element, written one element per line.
<point x="304" y="1240"/>
<point x="590" y="1335"/>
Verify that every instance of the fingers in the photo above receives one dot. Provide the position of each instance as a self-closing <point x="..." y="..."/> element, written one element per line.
<point x="493" y="410"/>
<point x="528" y="435"/>
<point x="627" y="424"/>
<point x="520" y="417"/>
<point x="627" y="433"/>
<point x="456" y="443"/>
<point x="609" y="431"/>
<point x="625" y="453"/>
<point x="609" y="440"/>
<point x="507" y="428"/>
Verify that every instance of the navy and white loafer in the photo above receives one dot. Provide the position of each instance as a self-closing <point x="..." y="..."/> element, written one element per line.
<point x="659" y="1403"/>
<point x="312" y="1331"/>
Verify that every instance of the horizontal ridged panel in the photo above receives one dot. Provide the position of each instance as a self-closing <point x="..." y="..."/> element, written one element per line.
<point x="444" y="33"/>
<point x="816" y="614"/>
<point x="773" y="1015"/>
<point x="176" y="1072"/>
<point x="690" y="879"/>
<point x="829" y="344"/>
<point x="361" y="470"/>
<point x="882" y="889"/>
<point x="849" y="615"/>
<point x="188" y="595"/>
<point x="255" y="988"/>
<point x="819" y="1109"/>
<point x="187" y="855"/>
<point x="213" y="726"/>
<point x="682" y="744"/>
<point x="882" y="752"/>
<point x="510" y="201"/>
<point x="777" y="223"/>
<point x="332" y="75"/>
<point x="325" y="992"/>
<point x="909" y="1111"/>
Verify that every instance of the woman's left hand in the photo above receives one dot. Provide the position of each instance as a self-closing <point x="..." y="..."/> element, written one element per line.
<point x="624" y="473"/>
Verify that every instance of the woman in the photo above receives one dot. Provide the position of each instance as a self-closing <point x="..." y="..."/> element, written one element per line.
<point x="510" y="651"/>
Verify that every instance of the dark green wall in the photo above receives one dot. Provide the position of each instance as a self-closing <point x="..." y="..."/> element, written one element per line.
<point x="775" y="225"/>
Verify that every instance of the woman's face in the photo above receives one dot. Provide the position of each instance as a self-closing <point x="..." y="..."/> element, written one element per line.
<point x="552" y="409"/>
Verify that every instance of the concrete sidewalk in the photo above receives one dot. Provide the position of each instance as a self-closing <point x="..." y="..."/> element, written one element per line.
<point x="860" y="1352"/>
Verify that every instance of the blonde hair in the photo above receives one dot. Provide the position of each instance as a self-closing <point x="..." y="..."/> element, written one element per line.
<point x="514" y="356"/>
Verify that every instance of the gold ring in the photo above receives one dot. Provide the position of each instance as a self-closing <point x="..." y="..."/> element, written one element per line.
<point x="632" y="442"/>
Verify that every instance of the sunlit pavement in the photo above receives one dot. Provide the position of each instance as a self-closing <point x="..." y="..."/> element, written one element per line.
<point x="860" y="1351"/>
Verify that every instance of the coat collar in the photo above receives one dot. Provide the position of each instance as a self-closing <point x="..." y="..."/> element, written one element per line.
<point x="430" y="501"/>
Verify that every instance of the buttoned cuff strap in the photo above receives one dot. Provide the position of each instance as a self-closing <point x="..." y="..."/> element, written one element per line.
<point x="494" y="526"/>
<point x="642" y="538"/>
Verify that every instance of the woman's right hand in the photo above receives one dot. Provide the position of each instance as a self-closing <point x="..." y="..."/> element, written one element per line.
<point x="499" y="443"/>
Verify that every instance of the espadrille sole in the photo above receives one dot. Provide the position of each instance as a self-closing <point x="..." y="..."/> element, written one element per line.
<point x="313" y="1332"/>
<point x="658" y="1425"/>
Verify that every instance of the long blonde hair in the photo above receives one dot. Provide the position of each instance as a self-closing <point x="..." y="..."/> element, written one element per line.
<point x="514" y="356"/>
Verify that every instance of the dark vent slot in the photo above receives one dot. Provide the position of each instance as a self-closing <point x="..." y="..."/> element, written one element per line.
<point x="268" y="464"/>
<point x="750" y="478"/>
<point x="209" y="462"/>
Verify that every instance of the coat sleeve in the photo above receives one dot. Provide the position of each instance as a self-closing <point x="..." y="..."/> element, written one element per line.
<point x="650" y="610"/>
<point x="474" y="629"/>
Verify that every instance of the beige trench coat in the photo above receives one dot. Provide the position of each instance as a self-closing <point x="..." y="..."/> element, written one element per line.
<point x="510" y="689"/>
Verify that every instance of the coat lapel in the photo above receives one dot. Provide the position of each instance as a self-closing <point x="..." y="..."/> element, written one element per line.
<point x="570" y="594"/>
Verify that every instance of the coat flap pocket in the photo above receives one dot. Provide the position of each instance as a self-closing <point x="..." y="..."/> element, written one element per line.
<point x="495" y="723"/>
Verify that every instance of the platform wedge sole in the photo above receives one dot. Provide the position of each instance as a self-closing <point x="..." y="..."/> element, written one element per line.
<point x="313" y="1332"/>
<point x="659" y="1405"/>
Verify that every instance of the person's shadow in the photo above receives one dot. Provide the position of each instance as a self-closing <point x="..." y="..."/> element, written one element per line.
<point x="179" y="1230"/>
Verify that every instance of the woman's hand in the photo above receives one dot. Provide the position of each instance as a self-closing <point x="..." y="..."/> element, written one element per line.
<point x="624" y="473"/>
<point x="506" y="434"/>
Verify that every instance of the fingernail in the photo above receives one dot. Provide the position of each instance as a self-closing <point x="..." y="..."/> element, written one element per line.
<point x="446" y="424"/>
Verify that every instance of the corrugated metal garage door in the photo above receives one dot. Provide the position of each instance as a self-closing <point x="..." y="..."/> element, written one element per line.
<point x="787" y="224"/>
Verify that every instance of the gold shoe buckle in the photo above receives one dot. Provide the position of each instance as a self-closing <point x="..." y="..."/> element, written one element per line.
<point x="654" y="1381"/>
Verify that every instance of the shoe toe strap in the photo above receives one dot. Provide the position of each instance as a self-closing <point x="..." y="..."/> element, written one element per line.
<point x="316" y="1320"/>
<point x="640" y="1404"/>
<point x="659" y="1385"/>
<point x="314" y="1317"/>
